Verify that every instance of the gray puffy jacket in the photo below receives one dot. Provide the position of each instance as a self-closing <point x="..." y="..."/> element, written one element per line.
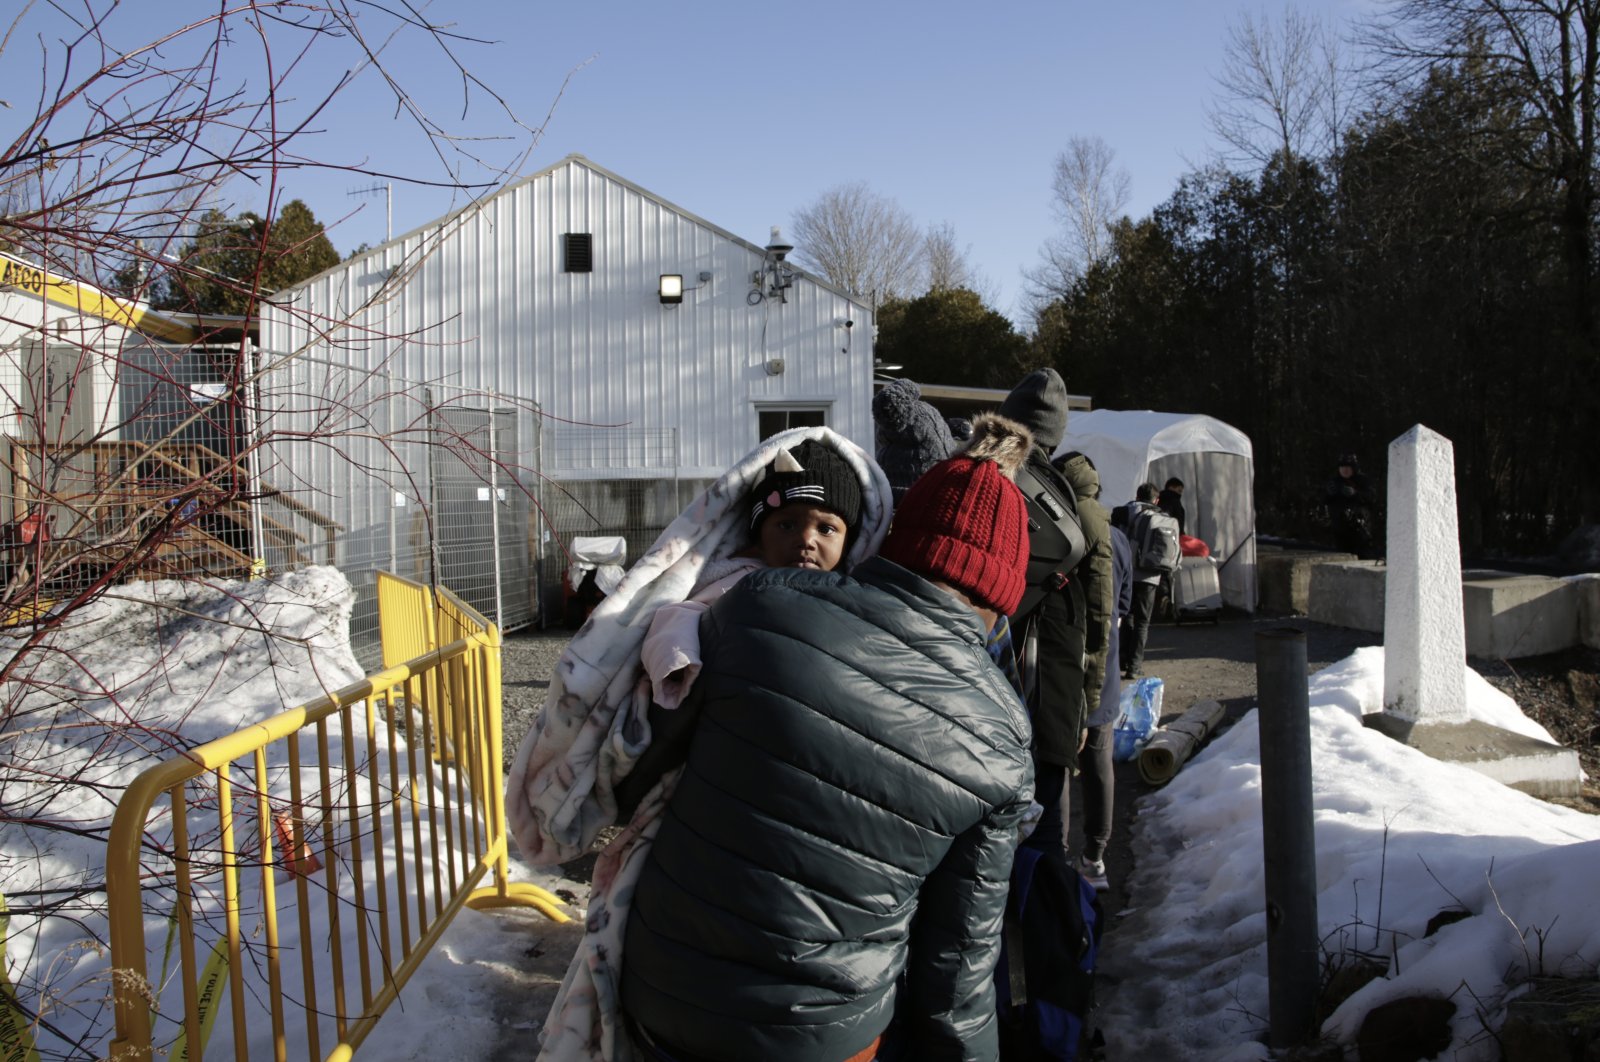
<point x="848" y="811"/>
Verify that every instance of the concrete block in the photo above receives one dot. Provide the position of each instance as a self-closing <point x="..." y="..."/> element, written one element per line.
<point x="1506" y="614"/>
<point x="1510" y="615"/>
<point x="1284" y="578"/>
<point x="1348" y="594"/>
<point x="1521" y="762"/>
<point x="1587" y="589"/>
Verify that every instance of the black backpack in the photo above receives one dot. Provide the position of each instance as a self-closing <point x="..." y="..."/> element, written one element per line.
<point x="1055" y="537"/>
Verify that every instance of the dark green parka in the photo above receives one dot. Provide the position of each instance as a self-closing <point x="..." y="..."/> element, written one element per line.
<point x="848" y="811"/>
<point x="1093" y="573"/>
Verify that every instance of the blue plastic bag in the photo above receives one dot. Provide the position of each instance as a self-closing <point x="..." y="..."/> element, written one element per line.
<point x="1136" y="720"/>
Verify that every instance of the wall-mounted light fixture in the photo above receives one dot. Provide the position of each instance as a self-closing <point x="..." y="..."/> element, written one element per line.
<point x="672" y="287"/>
<point x="775" y="276"/>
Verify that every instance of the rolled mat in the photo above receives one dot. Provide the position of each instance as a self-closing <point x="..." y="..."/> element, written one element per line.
<point x="1170" y="746"/>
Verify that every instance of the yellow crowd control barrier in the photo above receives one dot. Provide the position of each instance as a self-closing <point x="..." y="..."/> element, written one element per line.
<point x="267" y="845"/>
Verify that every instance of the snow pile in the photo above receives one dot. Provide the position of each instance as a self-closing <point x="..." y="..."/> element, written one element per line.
<point x="146" y="671"/>
<point x="1399" y="838"/>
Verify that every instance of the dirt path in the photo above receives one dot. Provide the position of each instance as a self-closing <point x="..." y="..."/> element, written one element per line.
<point x="1199" y="662"/>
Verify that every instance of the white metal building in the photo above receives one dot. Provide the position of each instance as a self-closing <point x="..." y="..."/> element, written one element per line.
<point x="585" y="329"/>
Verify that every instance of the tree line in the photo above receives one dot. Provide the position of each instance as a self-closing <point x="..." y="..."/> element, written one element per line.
<point x="1427" y="259"/>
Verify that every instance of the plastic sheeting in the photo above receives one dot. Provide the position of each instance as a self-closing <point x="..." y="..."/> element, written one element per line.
<point x="602" y="554"/>
<point x="1214" y="460"/>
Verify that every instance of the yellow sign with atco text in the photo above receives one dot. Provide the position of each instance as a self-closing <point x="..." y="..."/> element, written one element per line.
<point x="83" y="299"/>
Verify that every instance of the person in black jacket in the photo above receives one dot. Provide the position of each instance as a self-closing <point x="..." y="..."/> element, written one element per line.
<point x="850" y="800"/>
<point x="1171" y="502"/>
<point x="1058" y="628"/>
<point x="1349" y="499"/>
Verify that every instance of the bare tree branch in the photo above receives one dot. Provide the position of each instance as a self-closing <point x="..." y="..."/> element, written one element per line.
<point x="860" y="241"/>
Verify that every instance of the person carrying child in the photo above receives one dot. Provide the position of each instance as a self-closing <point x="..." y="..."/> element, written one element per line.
<point x="837" y="849"/>
<point x="806" y="498"/>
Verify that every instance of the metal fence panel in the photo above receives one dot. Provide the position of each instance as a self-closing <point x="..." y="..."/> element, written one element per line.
<point x="326" y="816"/>
<point x="428" y="480"/>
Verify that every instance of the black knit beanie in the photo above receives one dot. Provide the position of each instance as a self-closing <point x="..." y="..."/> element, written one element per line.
<point x="812" y="473"/>
<point x="1039" y="403"/>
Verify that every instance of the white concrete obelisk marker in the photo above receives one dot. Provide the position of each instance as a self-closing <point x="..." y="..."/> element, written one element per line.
<point x="1424" y="635"/>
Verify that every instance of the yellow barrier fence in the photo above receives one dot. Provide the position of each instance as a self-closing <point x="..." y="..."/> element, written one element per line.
<point x="277" y="847"/>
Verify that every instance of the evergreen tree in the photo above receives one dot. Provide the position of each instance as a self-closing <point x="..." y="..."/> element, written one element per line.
<point x="233" y="262"/>
<point x="949" y="336"/>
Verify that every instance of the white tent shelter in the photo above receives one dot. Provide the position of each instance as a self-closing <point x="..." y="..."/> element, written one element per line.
<point x="1214" y="460"/>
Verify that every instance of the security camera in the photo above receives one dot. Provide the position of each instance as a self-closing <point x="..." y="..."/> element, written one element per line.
<point x="849" y="323"/>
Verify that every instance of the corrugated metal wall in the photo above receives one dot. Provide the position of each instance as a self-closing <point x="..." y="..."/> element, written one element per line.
<point x="479" y="307"/>
<point x="481" y="301"/>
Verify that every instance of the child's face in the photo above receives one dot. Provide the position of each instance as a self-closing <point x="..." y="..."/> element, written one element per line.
<point x="801" y="536"/>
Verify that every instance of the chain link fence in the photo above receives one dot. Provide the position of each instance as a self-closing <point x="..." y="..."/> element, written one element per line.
<point x="434" y="482"/>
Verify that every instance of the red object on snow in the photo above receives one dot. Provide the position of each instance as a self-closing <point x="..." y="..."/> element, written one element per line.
<point x="1190" y="546"/>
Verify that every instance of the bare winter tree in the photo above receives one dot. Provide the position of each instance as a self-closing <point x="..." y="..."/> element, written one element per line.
<point x="861" y="241"/>
<point x="1088" y="192"/>
<point x="136" y="130"/>
<point x="950" y="266"/>
<point x="1278" y="93"/>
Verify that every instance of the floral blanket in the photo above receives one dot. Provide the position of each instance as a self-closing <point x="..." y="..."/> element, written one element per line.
<point x="593" y="728"/>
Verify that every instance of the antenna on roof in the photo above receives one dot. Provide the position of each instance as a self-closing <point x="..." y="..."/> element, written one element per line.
<point x="387" y="188"/>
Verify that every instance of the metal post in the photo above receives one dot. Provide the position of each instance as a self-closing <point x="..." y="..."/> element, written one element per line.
<point x="252" y="462"/>
<point x="494" y="508"/>
<point x="397" y="473"/>
<point x="1288" y="841"/>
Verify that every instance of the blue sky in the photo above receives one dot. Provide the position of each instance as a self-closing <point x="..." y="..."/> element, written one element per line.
<point x="743" y="113"/>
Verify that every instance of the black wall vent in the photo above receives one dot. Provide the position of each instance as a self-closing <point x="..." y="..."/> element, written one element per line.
<point x="579" y="252"/>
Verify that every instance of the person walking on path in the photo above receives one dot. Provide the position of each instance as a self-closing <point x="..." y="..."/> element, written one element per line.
<point x="838" y="845"/>
<point x="1146" y="584"/>
<point x="1052" y="636"/>
<point x="565" y="782"/>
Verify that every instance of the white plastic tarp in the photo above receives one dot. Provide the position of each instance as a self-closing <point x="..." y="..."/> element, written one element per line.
<point x="1215" y="462"/>
<point x="602" y="554"/>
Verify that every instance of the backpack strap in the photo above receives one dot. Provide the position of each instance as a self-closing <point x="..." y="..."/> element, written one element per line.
<point x="1016" y="968"/>
<point x="1023" y="867"/>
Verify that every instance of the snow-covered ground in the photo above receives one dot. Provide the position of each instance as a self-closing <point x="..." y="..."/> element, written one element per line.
<point x="146" y="671"/>
<point x="1399" y="837"/>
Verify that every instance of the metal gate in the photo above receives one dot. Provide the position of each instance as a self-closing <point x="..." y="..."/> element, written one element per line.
<point x="368" y="471"/>
<point x="480" y="511"/>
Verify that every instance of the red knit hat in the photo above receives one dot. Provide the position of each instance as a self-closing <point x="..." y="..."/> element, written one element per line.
<point x="965" y="522"/>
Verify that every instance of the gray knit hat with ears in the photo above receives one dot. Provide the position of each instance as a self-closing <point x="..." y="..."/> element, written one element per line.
<point x="912" y="436"/>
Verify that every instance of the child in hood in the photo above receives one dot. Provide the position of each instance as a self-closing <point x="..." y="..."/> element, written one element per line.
<point x="801" y="516"/>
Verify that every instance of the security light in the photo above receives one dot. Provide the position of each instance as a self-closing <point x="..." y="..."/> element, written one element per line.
<point x="671" y="288"/>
